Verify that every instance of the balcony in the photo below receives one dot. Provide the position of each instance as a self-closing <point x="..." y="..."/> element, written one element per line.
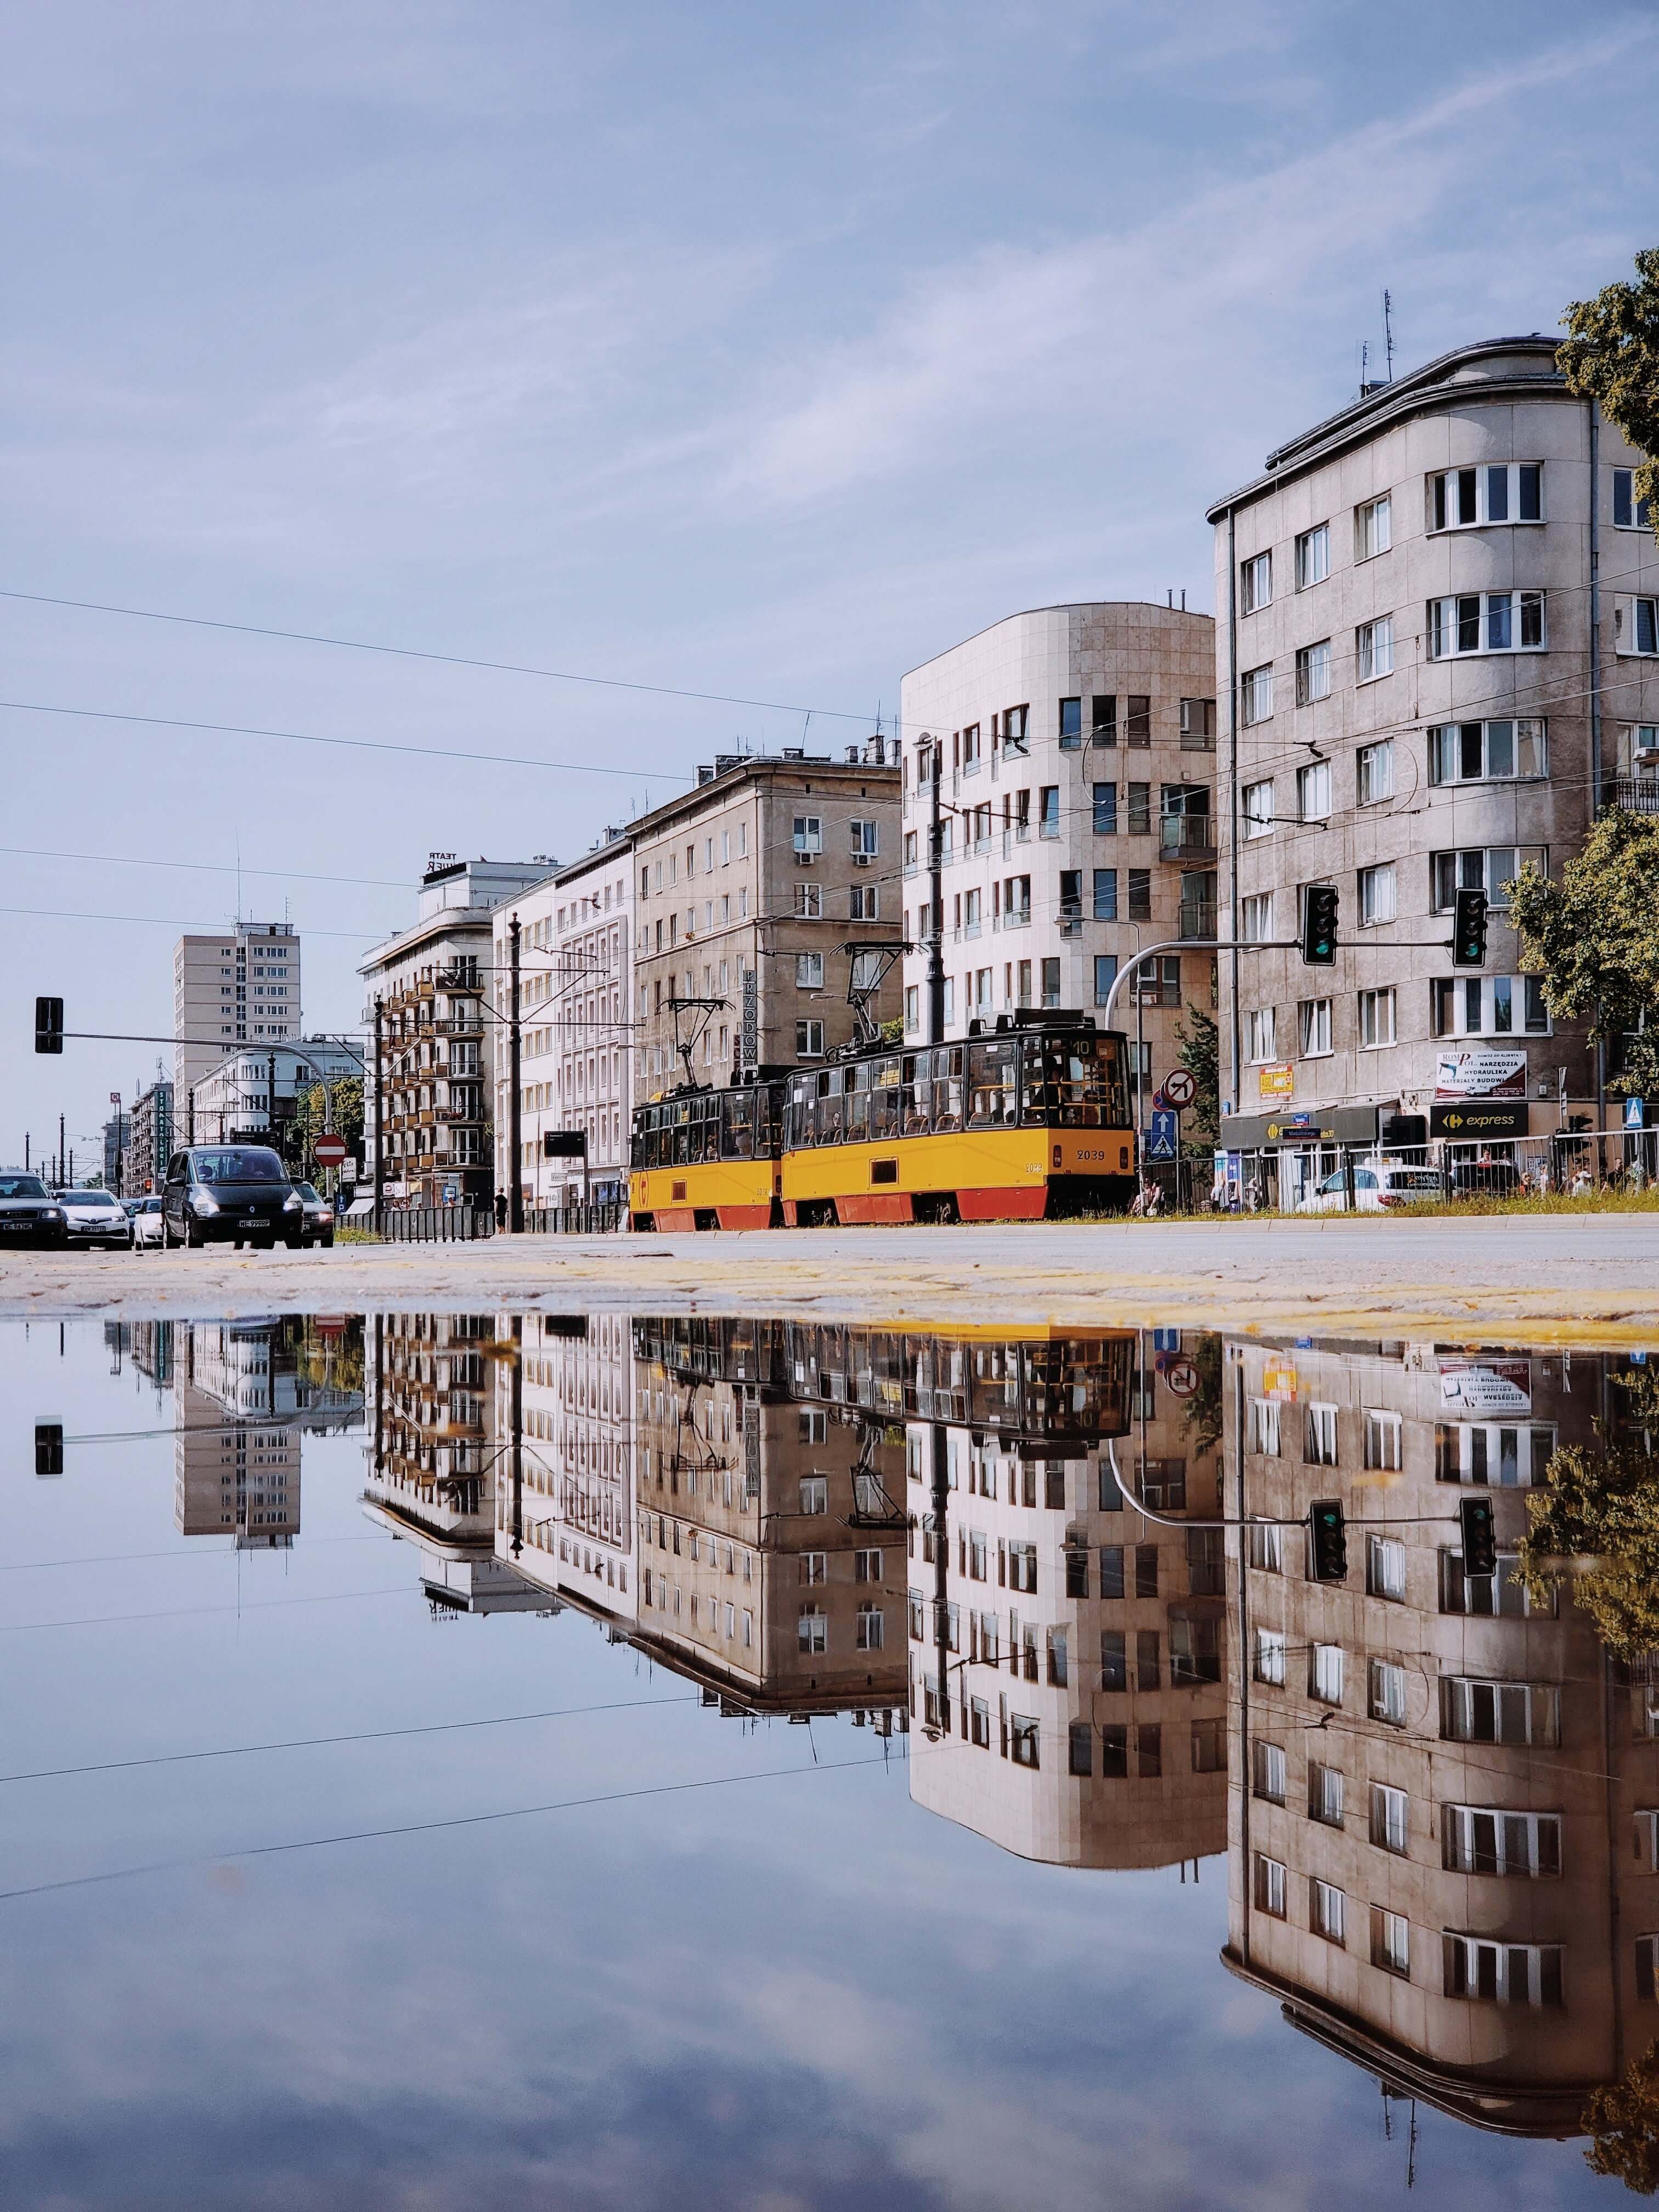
<point x="1185" y="838"/>
<point x="1638" y="795"/>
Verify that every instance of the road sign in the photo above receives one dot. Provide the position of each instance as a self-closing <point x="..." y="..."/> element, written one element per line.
<point x="1636" y="1113"/>
<point x="1179" y="1088"/>
<point x="1165" y="1141"/>
<point x="1166" y="1339"/>
<point x="330" y="1150"/>
<point x="1182" y="1377"/>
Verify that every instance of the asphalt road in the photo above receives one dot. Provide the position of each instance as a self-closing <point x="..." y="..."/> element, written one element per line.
<point x="1556" y="1278"/>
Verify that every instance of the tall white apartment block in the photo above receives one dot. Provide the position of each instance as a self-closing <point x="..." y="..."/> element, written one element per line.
<point x="240" y="989"/>
<point x="576" y="1009"/>
<point x="1076" y="754"/>
<point x="1440" y="643"/>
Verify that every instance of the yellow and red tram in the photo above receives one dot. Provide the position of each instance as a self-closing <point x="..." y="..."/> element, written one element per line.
<point x="1027" y="1122"/>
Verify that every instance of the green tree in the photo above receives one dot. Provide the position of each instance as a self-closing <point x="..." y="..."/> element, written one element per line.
<point x="1593" y="936"/>
<point x="1622" y="2121"/>
<point x="1199" y="1053"/>
<point x="348" y="1091"/>
<point x="1201" y="1417"/>
<point x="1595" y="1518"/>
<point x="1613" y="356"/>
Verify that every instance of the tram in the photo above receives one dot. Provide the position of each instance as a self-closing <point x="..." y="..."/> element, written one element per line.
<point x="1028" y="1120"/>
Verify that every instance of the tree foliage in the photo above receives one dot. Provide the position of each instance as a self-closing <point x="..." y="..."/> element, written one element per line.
<point x="1599" y="1506"/>
<point x="1613" y="356"/>
<point x="1593" y="936"/>
<point x="1622" y="2121"/>
<point x="1199" y="1053"/>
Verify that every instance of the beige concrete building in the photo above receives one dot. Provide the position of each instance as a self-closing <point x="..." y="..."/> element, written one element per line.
<point x="246" y="1395"/>
<point x="1442" y="1823"/>
<point x="1084" y="1721"/>
<point x="576" y="1008"/>
<point x="748" y="890"/>
<point x="242" y="988"/>
<point x="431" y="989"/>
<point x="1076" y="747"/>
<point x="1427" y="687"/>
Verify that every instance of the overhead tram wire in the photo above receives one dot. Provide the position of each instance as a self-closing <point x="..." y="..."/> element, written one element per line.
<point x="174" y="921"/>
<point x="445" y="659"/>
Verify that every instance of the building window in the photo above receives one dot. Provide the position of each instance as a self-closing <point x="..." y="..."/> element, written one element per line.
<point x="1503" y="1973"/>
<point x="1327" y="1911"/>
<point x="1023" y="1739"/>
<point x="1391" y="1942"/>
<point x="1048" y="810"/>
<point x="1385" y="1569"/>
<point x="809" y="901"/>
<point x="1374" y="649"/>
<point x="1636" y="626"/>
<point x="812" y="1629"/>
<point x="1325" y="1673"/>
<point x="1326" y="1795"/>
<point x="912" y="1008"/>
<point x="1270" y="1886"/>
<point x="865" y="839"/>
<point x="1105" y="894"/>
<point x="1390" y="1813"/>
<point x="1483" y="1005"/>
<point x="1071" y="724"/>
<point x="1506" y="1453"/>
<point x="1314" y="1017"/>
<point x="809" y="833"/>
<point x="1481" y="1839"/>
<point x="1105" y="976"/>
<point x="1256" y="583"/>
<point x="1485" y="622"/>
<point x="1255" y="695"/>
<point x="1373" y="528"/>
<point x="1629" y="513"/>
<point x="1141" y="895"/>
<point x="1198" y="725"/>
<point x="1376" y="1020"/>
<point x="1490" y="868"/>
<point x="1209" y="1747"/>
<point x="1386" y="1701"/>
<point x="1260" y="1041"/>
<point x="870" y="1628"/>
<point x="1486" y="752"/>
<point x="1313" y="791"/>
<point x="1313" y="555"/>
<point x="1051" y="982"/>
<point x="1463" y="499"/>
<point x="1267" y="1545"/>
<point x="1258" y="810"/>
<point x="809" y="971"/>
<point x="1473" y="1712"/>
<point x="1268" y="1662"/>
<point x="864" y="902"/>
<point x="1376" y="895"/>
<point x="1313" y="673"/>
<point x="1138" y="719"/>
<point x="1105" y="809"/>
<point x="1255" y="917"/>
<point x="1320" y="1440"/>
<point x="809" y="1039"/>
<point x="1140" y="810"/>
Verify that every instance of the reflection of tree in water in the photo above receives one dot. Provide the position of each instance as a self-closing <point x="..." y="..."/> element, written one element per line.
<point x="1623" y="2122"/>
<point x="1596" y="1519"/>
<point x="1203" y="1417"/>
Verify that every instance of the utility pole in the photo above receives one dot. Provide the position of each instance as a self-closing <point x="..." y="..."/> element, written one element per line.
<point x="25" y="1152"/>
<point x="515" y="1103"/>
<point x="271" y="1096"/>
<point x="936" y="911"/>
<point x="190" y="1115"/>
<point x="61" y="1177"/>
<point x="380" y="1123"/>
<point x="941" y="1499"/>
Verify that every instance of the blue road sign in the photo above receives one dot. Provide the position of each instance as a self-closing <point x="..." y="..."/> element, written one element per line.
<point x="1636" y="1113"/>
<point x="1166" y="1339"/>
<point x="1163" y="1143"/>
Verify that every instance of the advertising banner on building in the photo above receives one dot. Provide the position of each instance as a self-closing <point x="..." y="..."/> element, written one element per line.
<point x="1481" y="1074"/>
<point x="1487" y="1388"/>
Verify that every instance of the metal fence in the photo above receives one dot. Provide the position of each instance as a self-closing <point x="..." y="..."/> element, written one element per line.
<point x="436" y="1225"/>
<point x="1366" y="1178"/>
<point x="597" y="1218"/>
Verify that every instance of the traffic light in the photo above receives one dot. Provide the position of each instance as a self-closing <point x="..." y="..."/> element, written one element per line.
<point x="48" y="1025"/>
<point x="1480" y="1543"/>
<point x="1330" y="1540"/>
<point x="1469" y="930"/>
<point x="1319" y="925"/>
<point x="49" y="1446"/>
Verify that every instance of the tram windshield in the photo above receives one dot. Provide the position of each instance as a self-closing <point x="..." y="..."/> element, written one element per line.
<point x="1075" y="1082"/>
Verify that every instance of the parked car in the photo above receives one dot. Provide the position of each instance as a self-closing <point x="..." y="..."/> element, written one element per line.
<point x="146" y="1222"/>
<point x="1378" y="1185"/>
<point x="28" y="1213"/>
<point x="96" y="1217"/>
<point x="318" y="1217"/>
<point x="230" y="1194"/>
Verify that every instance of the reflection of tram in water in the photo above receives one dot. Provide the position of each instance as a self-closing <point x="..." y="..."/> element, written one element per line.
<point x="1030" y="1122"/>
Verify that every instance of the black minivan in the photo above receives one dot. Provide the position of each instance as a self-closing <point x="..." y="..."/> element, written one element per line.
<point x="230" y="1194"/>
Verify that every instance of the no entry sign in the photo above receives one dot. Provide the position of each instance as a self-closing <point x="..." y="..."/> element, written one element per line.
<point x="330" y="1150"/>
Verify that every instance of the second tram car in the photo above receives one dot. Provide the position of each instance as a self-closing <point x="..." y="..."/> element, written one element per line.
<point x="1029" y="1122"/>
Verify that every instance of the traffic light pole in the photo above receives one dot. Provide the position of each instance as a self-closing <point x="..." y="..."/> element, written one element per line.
<point x="1256" y="945"/>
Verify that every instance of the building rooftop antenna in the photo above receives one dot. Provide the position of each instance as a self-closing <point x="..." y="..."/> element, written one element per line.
<point x="1388" y="333"/>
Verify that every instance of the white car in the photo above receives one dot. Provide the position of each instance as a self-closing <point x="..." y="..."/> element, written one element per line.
<point x="1378" y="1185"/>
<point x="94" y="1216"/>
<point x="146" y="1224"/>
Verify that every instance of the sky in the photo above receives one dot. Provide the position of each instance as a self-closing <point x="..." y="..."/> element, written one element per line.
<point x="757" y="351"/>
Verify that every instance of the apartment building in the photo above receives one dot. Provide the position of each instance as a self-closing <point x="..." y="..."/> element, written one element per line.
<point x="1442" y="1826"/>
<point x="575" y="1002"/>
<point x="245" y="1398"/>
<point x="252" y="1096"/>
<point x="1428" y="687"/>
<point x="566" y="1521"/>
<point x="242" y="988"/>
<point x="1083" y="1718"/>
<point x="749" y="888"/>
<point x="1075" y="749"/>
<point x="434" y="1046"/>
<point x="151" y="1141"/>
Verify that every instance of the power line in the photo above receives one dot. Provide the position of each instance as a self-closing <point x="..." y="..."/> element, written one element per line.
<point x="181" y="1612"/>
<point x="447" y="659"/>
<point x="351" y="744"/>
<point x="427" y="1827"/>
<point x="317" y="1742"/>
<point x="173" y="921"/>
<point x="200" y="867"/>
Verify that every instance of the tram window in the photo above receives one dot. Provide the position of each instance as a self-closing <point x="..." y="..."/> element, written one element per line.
<point x="858" y="1102"/>
<point x="914" y="1092"/>
<point x="885" y="1098"/>
<point x="994" y="1097"/>
<point x="948" y="1087"/>
<point x="1076" y="1082"/>
<point x="737" y="1125"/>
<point x="831" y="1107"/>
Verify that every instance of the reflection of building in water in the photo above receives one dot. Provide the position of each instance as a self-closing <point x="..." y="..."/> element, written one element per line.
<point x="246" y="1393"/>
<point x="768" y="1506"/>
<point x="1082" y="1715"/>
<point x="573" y="1531"/>
<point x="152" y="1350"/>
<point x="1435" y="1787"/>
<point x="432" y="1465"/>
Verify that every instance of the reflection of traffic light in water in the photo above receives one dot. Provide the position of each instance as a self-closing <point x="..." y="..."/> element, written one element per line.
<point x="1330" y="1540"/>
